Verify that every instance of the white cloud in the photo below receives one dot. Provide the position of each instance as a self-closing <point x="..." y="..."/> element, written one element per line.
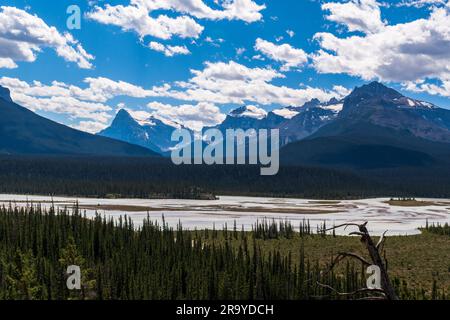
<point x="286" y="54"/>
<point x="214" y="42"/>
<point x="442" y="89"/>
<point x="137" y="16"/>
<point x="356" y="15"/>
<point x="240" y="51"/>
<point x="169" y="51"/>
<point x="233" y="83"/>
<point x="290" y="33"/>
<point x="103" y="89"/>
<point x="98" y="90"/>
<point x="413" y="52"/>
<point x="85" y="105"/>
<point x="245" y="10"/>
<point x="89" y="126"/>
<point x="217" y="84"/>
<point x="233" y="71"/>
<point x="192" y="116"/>
<point x="258" y="57"/>
<point x="7" y="63"/>
<point x="420" y="3"/>
<point x="72" y="107"/>
<point x="23" y="35"/>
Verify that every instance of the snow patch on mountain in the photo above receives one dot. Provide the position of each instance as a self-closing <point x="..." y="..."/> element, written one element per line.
<point x="412" y="103"/>
<point x="287" y="113"/>
<point x="333" y="107"/>
<point x="250" y="112"/>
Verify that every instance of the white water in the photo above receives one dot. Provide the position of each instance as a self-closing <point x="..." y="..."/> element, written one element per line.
<point x="245" y="211"/>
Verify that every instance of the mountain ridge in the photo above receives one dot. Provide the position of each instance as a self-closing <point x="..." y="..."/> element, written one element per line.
<point x="24" y="132"/>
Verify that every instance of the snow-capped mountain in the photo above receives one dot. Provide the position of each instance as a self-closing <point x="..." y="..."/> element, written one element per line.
<point x="152" y="133"/>
<point x="309" y="118"/>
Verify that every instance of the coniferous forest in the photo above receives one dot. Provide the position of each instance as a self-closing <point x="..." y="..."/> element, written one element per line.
<point x="156" y="262"/>
<point x="159" y="178"/>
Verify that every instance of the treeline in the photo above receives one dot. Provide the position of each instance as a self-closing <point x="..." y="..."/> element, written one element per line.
<point x="158" y="178"/>
<point x="440" y="229"/>
<point x="155" y="262"/>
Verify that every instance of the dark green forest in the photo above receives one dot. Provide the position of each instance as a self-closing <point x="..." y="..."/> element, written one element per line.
<point x="119" y="261"/>
<point x="158" y="178"/>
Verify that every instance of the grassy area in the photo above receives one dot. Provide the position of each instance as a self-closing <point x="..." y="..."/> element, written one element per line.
<point x="418" y="259"/>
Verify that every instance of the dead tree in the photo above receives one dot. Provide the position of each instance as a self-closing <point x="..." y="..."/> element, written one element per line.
<point x="387" y="290"/>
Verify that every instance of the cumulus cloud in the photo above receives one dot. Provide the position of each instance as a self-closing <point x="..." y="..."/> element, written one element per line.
<point x="169" y="51"/>
<point x="233" y="83"/>
<point x="286" y="54"/>
<point x="139" y="16"/>
<point x="194" y="117"/>
<point x="442" y="89"/>
<point x="56" y="98"/>
<point x="85" y="105"/>
<point x="136" y="18"/>
<point x="356" y="15"/>
<point x="198" y="98"/>
<point x="412" y="52"/>
<point x="7" y="63"/>
<point x="22" y="37"/>
<point x="245" y="10"/>
<point x="89" y="126"/>
<point x="420" y="3"/>
<point x="98" y="89"/>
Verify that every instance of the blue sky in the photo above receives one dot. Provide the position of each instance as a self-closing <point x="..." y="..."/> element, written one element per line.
<point x="192" y="61"/>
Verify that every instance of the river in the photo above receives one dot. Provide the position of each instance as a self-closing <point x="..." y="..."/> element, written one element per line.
<point x="200" y="214"/>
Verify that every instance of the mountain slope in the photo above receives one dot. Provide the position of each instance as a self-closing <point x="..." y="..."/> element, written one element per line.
<point x="377" y="128"/>
<point x="24" y="132"/>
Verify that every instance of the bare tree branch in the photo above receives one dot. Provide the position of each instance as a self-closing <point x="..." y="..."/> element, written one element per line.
<point x="357" y="233"/>
<point x="381" y="241"/>
<point x="343" y="225"/>
<point x="375" y="256"/>
<point x="364" y="290"/>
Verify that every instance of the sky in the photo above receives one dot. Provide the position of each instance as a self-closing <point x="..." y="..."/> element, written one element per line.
<point x="192" y="61"/>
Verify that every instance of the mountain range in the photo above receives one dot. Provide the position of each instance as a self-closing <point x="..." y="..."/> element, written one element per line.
<point x="373" y="127"/>
<point x="295" y="123"/>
